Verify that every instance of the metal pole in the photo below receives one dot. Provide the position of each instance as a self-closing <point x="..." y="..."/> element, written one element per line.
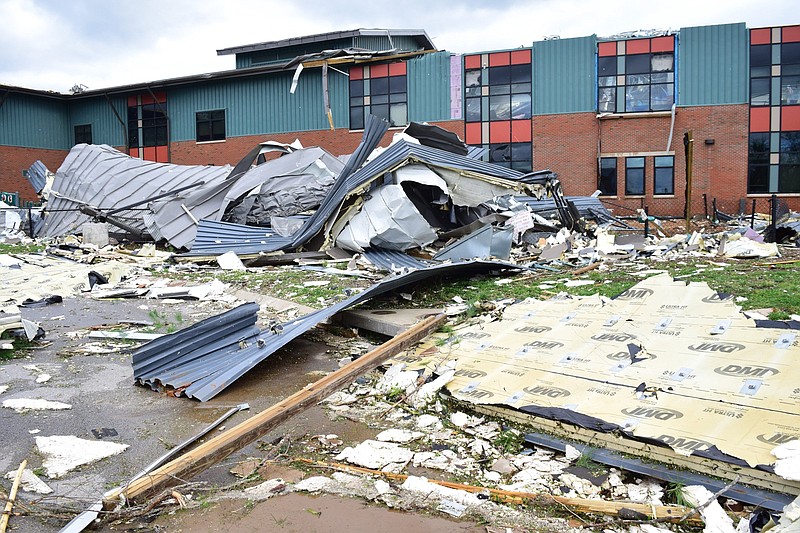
<point x="753" y="214"/>
<point x="688" y="143"/>
<point x="705" y="205"/>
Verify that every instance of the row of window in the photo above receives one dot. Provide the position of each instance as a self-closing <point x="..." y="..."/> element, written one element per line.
<point x="663" y="167"/>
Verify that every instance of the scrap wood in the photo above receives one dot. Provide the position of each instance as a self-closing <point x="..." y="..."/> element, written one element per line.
<point x="675" y="513"/>
<point x="221" y="446"/>
<point x="12" y="496"/>
<point x="584" y="269"/>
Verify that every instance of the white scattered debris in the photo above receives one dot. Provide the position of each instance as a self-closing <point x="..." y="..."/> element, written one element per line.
<point x="230" y="261"/>
<point x="400" y="436"/>
<point x="422" y="486"/>
<point x="66" y="452"/>
<point x="788" y="464"/>
<point x="313" y="484"/>
<point x="43" y="378"/>
<point x="462" y="420"/>
<point x="428" y="391"/>
<point x="23" y="404"/>
<point x="3" y="388"/>
<point x="319" y="283"/>
<point x="265" y="490"/>
<point x="572" y="453"/>
<point x="397" y="378"/>
<point x="427" y="421"/>
<point x="382" y="487"/>
<point x="578" y="282"/>
<point x="645" y="492"/>
<point x="31" y="482"/>
<point x="386" y="456"/>
<point x="717" y="521"/>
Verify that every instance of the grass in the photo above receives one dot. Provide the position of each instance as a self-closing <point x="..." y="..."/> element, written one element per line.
<point x="21" y="248"/>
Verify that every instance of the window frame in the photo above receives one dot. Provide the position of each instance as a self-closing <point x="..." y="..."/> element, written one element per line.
<point x="389" y="102"/>
<point x="600" y="169"/>
<point x="210" y="121"/>
<point x="628" y="175"/>
<point x="632" y="83"/>
<point x="662" y="168"/>
<point x="80" y="135"/>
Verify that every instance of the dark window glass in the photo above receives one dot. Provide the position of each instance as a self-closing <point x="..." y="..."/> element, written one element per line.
<point x="634" y="176"/>
<point x="607" y="183"/>
<point x="521" y="106"/>
<point x="357" y="118"/>
<point x="520" y="73"/>
<point x="789" y="179"/>
<point x="758" y="179"/>
<point x="661" y="96"/>
<point x="83" y="134"/>
<point x="760" y="55"/>
<point x="499" y="89"/>
<point x="500" y="108"/>
<point x="663" y="175"/>
<point x="790" y="89"/>
<point x="790" y="148"/>
<point x="133" y="115"/>
<point x="356" y="88"/>
<point x="521" y="152"/>
<point x="378" y="86"/>
<point x="397" y="84"/>
<point x="500" y="75"/>
<point x="759" y="91"/>
<point x="790" y="53"/>
<point x="396" y="98"/>
<point x="380" y="111"/>
<point x="637" y="64"/>
<point x="473" y="110"/>
<point x="607" y="66"/>
<point x="210" y="125"/>
<point x="376" y="99"/>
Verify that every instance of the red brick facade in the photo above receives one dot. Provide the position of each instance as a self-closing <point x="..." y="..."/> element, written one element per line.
<point x="13" y="160"/>
<point x="570" y="145"/>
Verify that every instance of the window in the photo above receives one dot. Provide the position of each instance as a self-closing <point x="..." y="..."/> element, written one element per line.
<point x="83" y="134"/>
<point x="148" y="127"/>
<point x="210" y="125"/>
<point x="634" y="176"/>
<point x="379" y="90"/>
<point x="498" y="106"/>
<point x="774" y="141"/>
<point x="663" y="174"/>
<point x="636" y="75"/>
<point x="607" y="182"/>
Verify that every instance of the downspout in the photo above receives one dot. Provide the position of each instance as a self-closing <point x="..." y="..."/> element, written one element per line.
<point x="671" y="128"/>
<point x="169" y="133"/>
<point x="119" y="118"/>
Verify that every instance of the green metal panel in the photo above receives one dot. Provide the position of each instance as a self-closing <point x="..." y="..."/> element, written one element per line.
<point x="564" y="78"/>
<point x="429" y="87"/>
<point x="260" y="104"/>
<point x="34" y="122"/>
<point x="713" y="64"/>
<point x="284" y="54"/>
<point x="97" y="111"/>
<point x="381" y="42"/>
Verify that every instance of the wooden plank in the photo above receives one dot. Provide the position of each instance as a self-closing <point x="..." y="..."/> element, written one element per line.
<point x="12" y="496"/>
<point x="236" y="438"/>
<point x="710" y="467"/>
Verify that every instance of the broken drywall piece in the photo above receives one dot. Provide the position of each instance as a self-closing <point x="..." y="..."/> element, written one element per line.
<point x="230" y="261"/>
<point x="400" y="436"/>
<point x="3" y="388"/>
<point x="265" y="490"/>
<point x="30" y="482"/>
<point x="386" y="456"/>
<point x="30" y="404"/>
<point x="313" y="484"/>
<point x="66" y="452"/>
<point x="421" y="485"/>
<point x="788" y="464"/>
<point x="717" y="521"/>
<point x="43" y="378"/>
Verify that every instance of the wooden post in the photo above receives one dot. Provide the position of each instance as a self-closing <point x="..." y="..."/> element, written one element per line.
<point x="212" y="451"/>
<point x="12" y="496"/>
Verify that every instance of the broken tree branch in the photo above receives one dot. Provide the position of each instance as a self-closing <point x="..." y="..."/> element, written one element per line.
<point x="221" y="446"/>
<point x="12" y="496"/>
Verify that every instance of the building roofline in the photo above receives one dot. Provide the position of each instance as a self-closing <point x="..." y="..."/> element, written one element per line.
<point x="420" y="35"/>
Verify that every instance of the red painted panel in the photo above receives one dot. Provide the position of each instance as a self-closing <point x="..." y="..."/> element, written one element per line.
<point x="471" y="62"/>
<point x="606" y="49"/>
<point x="498" y="59"/>
<point x="637" y="46"/>
<point x="147" y="99"/>
<point x="473" y="133"/>
<point x="132" y="101"/>
<point x="759" y="119"/>
<point x="521" y="131"/>
<point x="397" y="69"/>
<point x="790" y="118"/>
<point x="356" y="73"/>
<point x="760" y="36"/>
<point x="520" y="57"/>
<point x="150" y="153"/>
<point x="790" y="34"/>
<point x="162" y="154"/>
<point x="379" y="71"/>
<point x="134" y="152"/>
<point x="500" y="132"/>
<point x="161" y="97"/>
<point x="662" y="44"/>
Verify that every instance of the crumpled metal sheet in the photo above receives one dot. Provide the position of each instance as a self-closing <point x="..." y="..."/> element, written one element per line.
<point x="105" y="178"/>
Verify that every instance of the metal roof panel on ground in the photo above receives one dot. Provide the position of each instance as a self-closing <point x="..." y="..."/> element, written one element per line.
<point x="204" y="381"/>
<point x="102" y="177"/>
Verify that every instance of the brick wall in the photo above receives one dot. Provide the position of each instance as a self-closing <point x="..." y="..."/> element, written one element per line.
<point x="13" y="160"/>
<point x="569" y="145"/>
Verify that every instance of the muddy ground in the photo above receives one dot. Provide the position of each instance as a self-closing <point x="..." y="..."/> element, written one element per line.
<point x="107" y="405"/>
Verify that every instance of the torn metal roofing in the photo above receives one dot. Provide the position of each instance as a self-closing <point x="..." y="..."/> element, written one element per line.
<point x="37" y="175"/>
<point x="393" y="260"/>
<point x="186" y="362"/>
<point x="389" y="159"/>
<point x="106" y="179"/>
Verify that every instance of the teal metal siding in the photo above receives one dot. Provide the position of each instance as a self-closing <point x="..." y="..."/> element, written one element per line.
<point x="429" y="87"/>
<point x="106" y="128"/>
<point x="284" y="54"/>
<point x="379" y="43"/>
<point x="260" y="104"/>
<point x="34" y="122"/>
<point x="713" y="65"/>
<point x="564" y="79"/>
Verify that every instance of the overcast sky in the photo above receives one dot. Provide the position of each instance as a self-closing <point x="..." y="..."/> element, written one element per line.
<point x="56" y="44"/>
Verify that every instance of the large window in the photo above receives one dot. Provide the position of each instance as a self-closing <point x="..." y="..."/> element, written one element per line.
<point x="774" y="143"/>
<point x="148" y="127"/>
<point x="636" y="75"/>
<point x="83" y="134"/>
<point x="210" y="125"/>
<point x="663" y="174"/>
<point x="379" y="90"/>
<point x="497" y="106"/>
<point x="607" y="182"/>
<point x="634" y="176"/>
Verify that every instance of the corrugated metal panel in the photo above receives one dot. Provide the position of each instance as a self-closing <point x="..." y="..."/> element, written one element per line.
<point x="381" y="42"/>
<point x="713" y="65"/>
<point x="393" y="260"/>
<point x="106" y="129"/>
<point x="429" y="87"/>
<point x="261" y="104"/>
<point x="37" y="175"/>
<point x="204" y="372"/>
<point x="564" y="75"/>
<point x="34" y="122"/>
